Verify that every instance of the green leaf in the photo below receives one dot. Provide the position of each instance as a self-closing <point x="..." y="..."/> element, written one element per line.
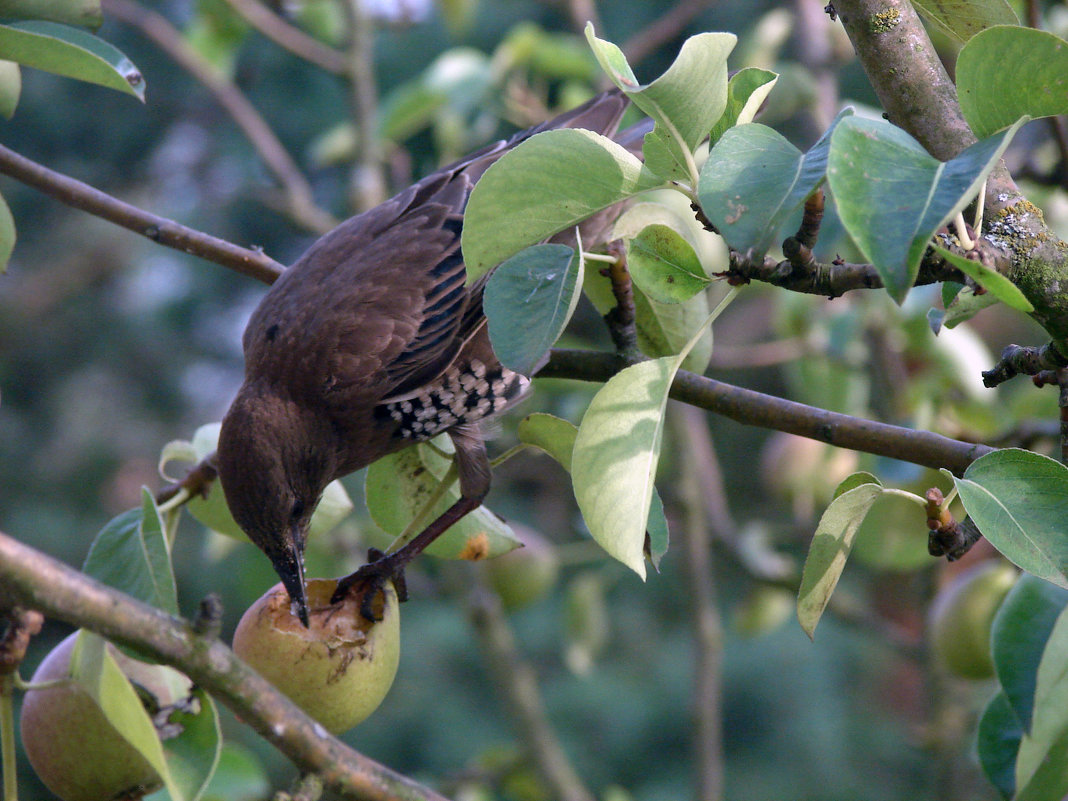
<point x="998" y="741"/>
<point x="1016" y="498"/>
<point x="993" y="97"/>
<point x="991" y="280"/>
<point x="528" y="301"/>
<point x="1018" y="637"/>
<point x="7" y="235"/>
<point x="664" y="329"/>
<point x="1045" y="740"/>
<point x="892" y="196"/>
<point x="664" y="265"/>
<point x="550" y="182"/>
<point x="10" y="88"/>
<point x="239" y="776"/>
<point x="684" y="102"/>
<point x="963" y="19"/>
<point x="656" y="530"/>
<point x="97" y="672"/>
<point x="131" y="554"/>
<point x="754" y="179"/>
<point x="966" y="304"/>
<point x="72" y="53"/>
<point x="400" y="485"/>
<point x="85" y="13"/>
<point x="831" y="545"/>
<point x="616" y="453"/>
<point x="746" y="91"/>
<point x="193" y="754"/>
<point x="553" y="435"/>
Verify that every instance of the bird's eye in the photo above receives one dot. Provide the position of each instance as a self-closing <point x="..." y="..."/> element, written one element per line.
<point x="298" y="510"/>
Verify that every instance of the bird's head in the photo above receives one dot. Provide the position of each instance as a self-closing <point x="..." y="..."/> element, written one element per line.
<point x="273" y="474"/>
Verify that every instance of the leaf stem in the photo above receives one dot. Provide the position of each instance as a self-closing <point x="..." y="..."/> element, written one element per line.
<point x="7" y="736"/>
<point x="603" y="257"/>
<point x="909" y="496"/>
<point x="950" y="497"/>
<point x="962" y="232"/>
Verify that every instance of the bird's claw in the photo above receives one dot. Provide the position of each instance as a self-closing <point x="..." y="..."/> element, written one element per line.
<point x="372" y="578"/>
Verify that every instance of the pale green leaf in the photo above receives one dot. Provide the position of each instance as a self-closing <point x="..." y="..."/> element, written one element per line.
<point x="7" y="235"/>
<point x="746" y="91"/>
<point x="963" y="19"/>
<point x="10" y="88"/>
<point x="1016" y="498"/>
<point x="1049" y="722"/>
<point x="830" y="548"/>
<point x="552" y="181"/>
<point x="991" y="280"/>
<point x="553" y="435"/>
<point x="664" y="265"/>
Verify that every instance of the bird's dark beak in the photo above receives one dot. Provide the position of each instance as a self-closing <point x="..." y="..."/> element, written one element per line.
<point x="289" y="565"/>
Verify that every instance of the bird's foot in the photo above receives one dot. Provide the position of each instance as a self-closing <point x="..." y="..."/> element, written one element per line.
<point x="371" y="579"/>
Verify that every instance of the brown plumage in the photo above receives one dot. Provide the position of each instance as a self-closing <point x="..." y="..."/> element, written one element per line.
<point x="369" y="342"/>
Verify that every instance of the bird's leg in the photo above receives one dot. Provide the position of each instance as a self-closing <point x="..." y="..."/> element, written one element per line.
<point x="473" y="469"/>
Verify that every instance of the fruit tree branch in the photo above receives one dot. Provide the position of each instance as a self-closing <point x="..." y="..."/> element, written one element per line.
<point x="755" y="408"/>
<point x="35" y="580"/>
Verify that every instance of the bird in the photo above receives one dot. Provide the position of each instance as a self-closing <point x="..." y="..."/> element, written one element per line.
<point x="371" y="341"/>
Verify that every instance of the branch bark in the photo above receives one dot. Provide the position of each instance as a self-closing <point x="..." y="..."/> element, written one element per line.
<point x="755" y="408"/>
<point x="37" y="581"/>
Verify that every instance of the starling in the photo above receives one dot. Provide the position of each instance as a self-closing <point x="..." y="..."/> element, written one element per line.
<point x="371" y="341"/>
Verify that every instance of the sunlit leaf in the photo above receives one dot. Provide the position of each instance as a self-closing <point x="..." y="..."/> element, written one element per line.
<point x="963" y="19"/>
<point x="553" y="435"/>
<point x="991" y="280"/>
<point x="664" y="265"/>
<point x="746" y="91"/>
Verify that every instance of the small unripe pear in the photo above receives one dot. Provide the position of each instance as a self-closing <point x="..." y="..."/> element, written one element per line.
<point x="70" y="743"/>
<point x="962" y="614"/>
<point x="338" y="669"/>
<point x="525" y="575"/>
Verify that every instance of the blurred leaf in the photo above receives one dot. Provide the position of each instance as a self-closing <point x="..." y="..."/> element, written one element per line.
<point x="656" y="530"/>
<point x="754" y="179"/>
<point x="240" y="776"/>
<point x="684" y="102"/>
<point x="528" y="301"/>
<point x="400" y="485"/>
<point x="554" y="435"/>
<point x="992" y="97"/>
<point x="616" y="453"/>
<point x="664" y="265"/>
<point x="72" y="53"/>
<point x="1018" y="637"/>
<point x="85" y="13"/>
<point x="1046" y="740"/>
<point x="998" y="741"/>
<point x="7" y="235"/>
<point x="131" y="554"/>
<point x="1016" y="498"/>
<point x="97" y="672"/>
<point x="192" y="755"/>
<point x="991" y="280"/>
<point x="892" y="195"/>
<point x="550" y="182"/>
<point x="966" y="304"/>
<point x="10" y="88"/>
<point x="831" y="545"/>
<point x="746" y="91"/>
<point x="963" y="19"/>
<point x="586" y="621"/>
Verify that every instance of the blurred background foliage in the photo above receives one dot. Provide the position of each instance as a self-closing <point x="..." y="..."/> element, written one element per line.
<point x="111" y="346"/>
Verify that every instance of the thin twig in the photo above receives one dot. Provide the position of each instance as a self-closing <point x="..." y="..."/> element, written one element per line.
<point x="37" y="581"/>
<point x="520" y="684"/>
<point x="368" y="178"/>
<point x="253" y="263"/>
<point x="664" y="29"/>
<point x="290" y="37"/>
<point x="297" y="198"/>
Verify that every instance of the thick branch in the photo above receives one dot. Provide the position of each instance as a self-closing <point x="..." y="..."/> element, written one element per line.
<point x="755" y="408"/>
<point x="38" y="581"/>
<point x="74" y="193"/>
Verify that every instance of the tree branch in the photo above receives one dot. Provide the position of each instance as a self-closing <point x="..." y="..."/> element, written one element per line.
<point x="289" y="37"/>
<point x="297" y="195"/>
<point x="37" y="581"/>
<point x="253" y="263"/>
<point x="755" y="408"/>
